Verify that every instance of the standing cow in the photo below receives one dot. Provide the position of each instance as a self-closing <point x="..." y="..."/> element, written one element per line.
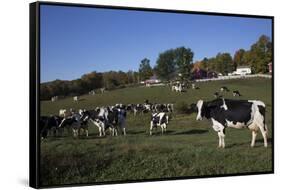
<point x="236" y="114"/>
<point x="159" y="120"/>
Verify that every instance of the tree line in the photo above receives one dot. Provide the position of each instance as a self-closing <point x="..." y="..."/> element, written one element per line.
<point x="88" y="82"/>
<point x="171" y="64"/>
<point x="257" y="57"/>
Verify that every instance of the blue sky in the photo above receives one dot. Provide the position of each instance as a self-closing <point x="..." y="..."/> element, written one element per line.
<point x="77" y="40"/>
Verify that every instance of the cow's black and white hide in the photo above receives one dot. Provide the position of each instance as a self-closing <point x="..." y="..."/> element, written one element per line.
<point x="98" y="117"/>
<point x="236" y="93"/>
<point x="141" y="108"/>
<point x="236" y="114"/>
<point x="217" y="95"/>
<point x="43" y="129"/>
<point x="159" y="120"/>
<point x="84" y="119"/>
<point x="170" y="107"/>
<point x="49" y="125"/>
<point x="224" y="89"/>
<point x="117" y="120"/>
<point x="130" y="108"/>
<point x="73" y="122"/>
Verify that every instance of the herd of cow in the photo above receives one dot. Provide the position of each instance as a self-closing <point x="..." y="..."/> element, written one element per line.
<point x="112" y="118"/>
<point x="222" y="112"/>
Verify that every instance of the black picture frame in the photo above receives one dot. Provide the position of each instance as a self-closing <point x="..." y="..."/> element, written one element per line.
<point x="34" y="91"/>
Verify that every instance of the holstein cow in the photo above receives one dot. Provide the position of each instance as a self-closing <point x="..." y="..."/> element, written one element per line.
<point x="224" y="89"/>
<point x="159" y="120"/>
<point x="236" y="93"/>
<point x="217" y="95"/>
<point x="234" y="113"/>
<point x="74" y="122"/>
<point x="98" y="117"/>
<point x="75" y="98"/>
<point x="49" y="124"/>
<point x="117" y="120"/>
<point x="62" y="112"/>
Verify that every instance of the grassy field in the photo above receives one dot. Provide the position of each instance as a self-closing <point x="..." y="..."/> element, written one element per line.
<point x="189" y="148"/>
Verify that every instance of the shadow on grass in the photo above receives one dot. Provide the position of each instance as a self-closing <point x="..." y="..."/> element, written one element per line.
<point x="259" y="143"/>
<point x="269" y="140"/>
<point x="135" y="132"/>
<point x="159" y="133"/>
<point x="192" y="132"/>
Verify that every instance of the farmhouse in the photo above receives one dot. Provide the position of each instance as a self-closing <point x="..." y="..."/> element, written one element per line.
<point x="243" y="70"/>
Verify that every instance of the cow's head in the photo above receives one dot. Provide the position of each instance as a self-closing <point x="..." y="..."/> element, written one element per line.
<point x="201" y="110"/>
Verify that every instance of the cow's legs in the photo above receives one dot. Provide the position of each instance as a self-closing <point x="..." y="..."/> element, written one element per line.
<point x="124" y="131"/>
<point x="87" y="132"/>
<point x="221" y="139"/>
<point x="263" y="130"/>
<point x="110" y="131"/>
<point x="219" y="135"/>
<point x="103" y="130"/>
<point x="75" y="133"/>
<point x="254" y="135"/>
<point x="162" y="129"/>
<point x="151" y="127"/>
<point x="100" y="132"/>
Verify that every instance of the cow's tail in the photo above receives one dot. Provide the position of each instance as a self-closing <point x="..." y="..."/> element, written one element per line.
<point x="262" y="112"/>
<point x="167" y="118"/>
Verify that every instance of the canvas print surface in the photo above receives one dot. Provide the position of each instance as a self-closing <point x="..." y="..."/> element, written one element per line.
<point x="131" y="95"/>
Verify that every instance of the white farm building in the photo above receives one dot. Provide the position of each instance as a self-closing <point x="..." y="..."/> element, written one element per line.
<point x="243" y="70"/>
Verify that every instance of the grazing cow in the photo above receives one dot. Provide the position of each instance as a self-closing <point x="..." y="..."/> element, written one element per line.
<point x="177" y="87"/>
<point x="109" y="118"/>
<point x="217" y="95"/>
<point x="193" y="86"/>
<point x="224" y="89"/>
<point x="117" y="120"/>
<point x="75" y="98"/>
<point x="62" y="112"/>
<point x="102" y="90"/>
<point x="236" y="114"/>
<point x="84" y="122"/>
<point x="92" y="92"/>
<point x="130" y="107"/>
<point x="236" y="93"/>
<point x="73" y="122"/>
<point x="142" y="108"/>
<point x="54" y="98"/>
<point x="159" y="120"/>
<point x="99" y="117"/>
<point x="170" y="107"/>
<point x="49" y="124"/>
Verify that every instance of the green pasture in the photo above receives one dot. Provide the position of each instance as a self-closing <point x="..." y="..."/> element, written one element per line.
<point x="189" y="148"/>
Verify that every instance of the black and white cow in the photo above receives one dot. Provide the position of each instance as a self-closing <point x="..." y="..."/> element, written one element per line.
<point x="98" y="117"/>
<point x="112" y="118"/>
<point x="117" y="120"/>
<point x="159" y="120"/>
<point x="73" y="122"/>
<point x="217" y="95"/>
<point x="236" y="93"/>
<point x="236" y="114"/>
<point x="49" y="124"/>
<point x="224" y="89"/>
